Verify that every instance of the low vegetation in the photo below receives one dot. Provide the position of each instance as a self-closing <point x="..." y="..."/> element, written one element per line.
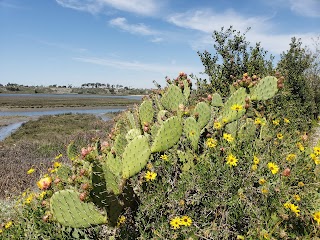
<point x="227" y="160"/>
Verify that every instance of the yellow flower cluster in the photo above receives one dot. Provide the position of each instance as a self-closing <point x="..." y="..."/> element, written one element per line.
<point x="236" y="107"/>
<point x="256" y="161"/>
<point x="211" y="142"/>
<point x="228" y="137"/>
<point x="164" y="157"/>
<point x="177" y="222"/>
<point x="292" y="207"/>
<point x="291" y="157"/>
<point x="121" y="220"/>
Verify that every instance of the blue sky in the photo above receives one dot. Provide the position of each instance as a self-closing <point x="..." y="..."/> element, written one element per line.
<point x="132" y="42"/>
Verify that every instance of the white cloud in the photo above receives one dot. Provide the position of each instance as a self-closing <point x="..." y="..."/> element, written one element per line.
<point x="262" y="29"/>
<point x="208" y="21"/>
<point x="123" y="24"/>
<point x="309" y="8"/>
<point x="138" y="66"/>
<point x="143" y="7"/>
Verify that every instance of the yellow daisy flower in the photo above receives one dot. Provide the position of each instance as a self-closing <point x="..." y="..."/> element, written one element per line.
<point x="316" y="217"/>
<point x="254" y="167"/>
<point x="256" y="160"/>
<point x="236" y="107"/>
<point x="276" y="122"/>
<point x="291" y="157"/>
<point x="262" y="181"/>
<point x="175" y="222"/>
<point x="228" y="137"/>
<point x="56" y="164"/>
<point x="164" y="157"/>
<point x="217" y="125"/>
<point x="316" y="151"/>
<point x="185" y="221"/>
<point x="232" y="160"/>
<point x="280" y="136"/>
<point x="297" y="197"/>
<point x="273" y="167"/>
<point x="211" y="143"/>
<point x="8" y="225"/>
<point x="150" y="176"/>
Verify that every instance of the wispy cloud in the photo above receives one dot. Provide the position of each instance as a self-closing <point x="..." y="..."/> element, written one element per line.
<point x="308" y="8"/>
<point x="143" y="7"/>
<point x="140" y="28"/>
<point x="204" y="22"/>
<point x="138" y="66"/>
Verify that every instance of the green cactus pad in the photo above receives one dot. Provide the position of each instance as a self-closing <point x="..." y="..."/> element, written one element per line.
<point x="172" y="98"/>
<point x="265" y="89"/>
<point x="146" y="112"/>
<point x="186" y="89"/>
<point x="132" y="134"/>
<point x="135" y="156"/>
<point x="247" y="130"/>
<point x="168" y="134"/>
<point x="131" y="120"/>
<point x="192" y="131"/>
<point x="72" y="151"/>
<point x="114" y="164"/>
<point x="216" y="100"/>
<point x="63" y="172"/>
<point x="204" y="111"/>
<point x="237" y="98"/>
<point x="69" y="210"/>
<point x="231" y="128"/>
<point x="113" y="181"/>
<point x="119" y="144"/>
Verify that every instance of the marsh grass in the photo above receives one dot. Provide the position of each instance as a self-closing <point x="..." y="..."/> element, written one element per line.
<point x="38" y="142"/>
<point x="62" y="102"/>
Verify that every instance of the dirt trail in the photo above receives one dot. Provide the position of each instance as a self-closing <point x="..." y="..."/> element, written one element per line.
<point x="315" y="135"/>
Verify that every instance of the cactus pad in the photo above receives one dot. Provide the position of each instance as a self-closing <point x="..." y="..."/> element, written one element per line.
<point x="265" y="89"/>
<point x="68" y="210"/>
<point x="216" y="100"/>
<point x="172" y="98"/>
<point x="204" y="111"/>
<point x="135" y="156"/>
<point x="192" y="131"/>
<point x="237" y="98"/>
<point x="72" y="151"/>
<point x="132" y="134"/>
<point x="146" y="112"/>
<point x="168" y="134"/>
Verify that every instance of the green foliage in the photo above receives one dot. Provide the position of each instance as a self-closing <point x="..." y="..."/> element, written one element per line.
<point x="233" y="56"/>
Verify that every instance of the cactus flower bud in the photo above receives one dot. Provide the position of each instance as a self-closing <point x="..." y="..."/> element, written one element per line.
<point x="209" y="97"/>
<point x="85" y="186"/>
<point x="286" y="172"/>
<point x="73" y="177"/>
<point x="82" y="172"/>
<point x="84" y="152"/>
<point x="145" y="129"/>
<point x="45" y="218"/>
<point x="82" y="196"/>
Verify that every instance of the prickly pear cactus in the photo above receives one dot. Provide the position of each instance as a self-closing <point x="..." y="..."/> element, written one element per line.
<point x="168" y="134"/>
<point x="135" y="156"/>
<point x="265" y="89"/>
<point x="203" y="111"/>
<point x="237" y="98"/>
<point x="216" y="100"/>
<point x="172" y="98"/>
<point x="132" y="134"/>
<point x="146" y="112"/>
<point x="192" y="131"/>
<point x="72" y="151"/>
<point x="69" y="210"/>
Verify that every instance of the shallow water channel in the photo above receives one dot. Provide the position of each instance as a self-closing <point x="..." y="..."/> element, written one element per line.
<point x="9" y="129"/>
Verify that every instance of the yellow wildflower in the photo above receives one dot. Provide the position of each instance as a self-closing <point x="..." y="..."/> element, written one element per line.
<point x="211" y="143"/>
<point x="192" y="133"/>
<point x="258" y="121"/>
<point x="262" y="181"/>
<point x="217" y="125"/>
<point x="175" y="222"/>
<point x="29" y="198"/>
<point x="185" y="221"/>
<point x="254" y="167"/>
<point x="300" y="146"/>
<point x="150" y="176"/>
<point x="315" y="158"/>
<point x="297" y="197"/>
<point x="291" y="157"/>
<point x="232" y="160"/>
<point x="164" y="157"/>
<point x="56" y="164"/>
<point x="42" y="194"/>
<point x="57" y="157"/>
<point x="276" y="122"/>
<point x="286" y="120"/>
<point x="240" y="237"/>
<point x="292" y="207"/>
<point x="316" y="151"/>
<point x="1" y="231"/>
<point x="228" y="137"/>
<point x="264" y="190"/>
<point x="273" y="167"/>
<point x="236" y="107"/>
<point x="300" y="184"/>
<point x="280" y="136"/>
<point x="121" y="220"/>
<point x="149" y="166"/>
<point x="316" y="216"/>
<point x="30" y="171"/>
<point x="8" y="225"/>
<point x="256" y="160"/>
